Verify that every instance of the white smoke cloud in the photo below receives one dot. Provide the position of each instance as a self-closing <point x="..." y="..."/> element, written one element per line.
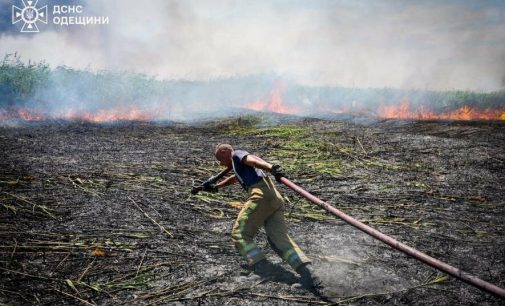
<point x="348" y="43"/>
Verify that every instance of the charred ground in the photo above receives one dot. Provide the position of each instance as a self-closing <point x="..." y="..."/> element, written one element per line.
<point x="95" y="214"/>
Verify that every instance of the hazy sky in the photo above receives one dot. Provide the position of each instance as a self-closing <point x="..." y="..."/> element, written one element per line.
<point x="361" y="43"/>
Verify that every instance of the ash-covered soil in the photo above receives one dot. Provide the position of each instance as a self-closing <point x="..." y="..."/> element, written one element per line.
<point x="102" y="214"/>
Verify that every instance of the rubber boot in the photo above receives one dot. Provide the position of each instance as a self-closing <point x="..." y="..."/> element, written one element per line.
<point x="310" y="280"/>
<point x="262" y="268"/>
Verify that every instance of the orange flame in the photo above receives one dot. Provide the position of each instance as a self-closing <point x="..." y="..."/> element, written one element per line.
<point x="403" y="111"/>
<point x="29" y="115"/>
<point x="275" y="104"/>
<point x="110" y="115"/>
<point x="120" y="113"/>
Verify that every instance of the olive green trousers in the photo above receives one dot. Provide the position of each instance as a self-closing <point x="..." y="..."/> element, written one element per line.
<point x="265" y="207"/>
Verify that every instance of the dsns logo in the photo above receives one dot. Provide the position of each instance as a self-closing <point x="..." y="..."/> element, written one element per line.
<point x="30" y="15"/>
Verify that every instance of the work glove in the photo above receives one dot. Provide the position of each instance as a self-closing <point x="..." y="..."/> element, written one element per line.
<point x="278" y="172"/>
<point x="209" y="187"/>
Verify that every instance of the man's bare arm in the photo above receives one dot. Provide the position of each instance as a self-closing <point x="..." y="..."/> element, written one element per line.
<point x="227" y="181"/>
<point x="255" y="161"/>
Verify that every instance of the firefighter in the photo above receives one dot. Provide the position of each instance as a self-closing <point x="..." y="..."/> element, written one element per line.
<point x="264" y="207"/>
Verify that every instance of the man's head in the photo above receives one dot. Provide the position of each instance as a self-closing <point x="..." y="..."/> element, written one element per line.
<point x="223" y="154"/>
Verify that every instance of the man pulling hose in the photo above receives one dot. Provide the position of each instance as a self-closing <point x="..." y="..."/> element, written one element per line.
<point x="264" y="207"/>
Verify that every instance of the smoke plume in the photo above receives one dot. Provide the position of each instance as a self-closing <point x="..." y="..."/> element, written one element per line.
<point x="208" y="55"/>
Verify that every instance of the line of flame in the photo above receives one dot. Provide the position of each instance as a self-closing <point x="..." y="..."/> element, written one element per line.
<point x="128" y="113"/>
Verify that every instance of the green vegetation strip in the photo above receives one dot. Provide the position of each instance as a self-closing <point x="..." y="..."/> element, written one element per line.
<point x="294" y="146"/>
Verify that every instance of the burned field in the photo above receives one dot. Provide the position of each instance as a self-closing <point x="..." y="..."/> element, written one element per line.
<point x="102" y="214"/>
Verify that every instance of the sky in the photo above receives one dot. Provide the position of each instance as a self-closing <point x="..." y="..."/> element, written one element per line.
<point x="438" y="45"/>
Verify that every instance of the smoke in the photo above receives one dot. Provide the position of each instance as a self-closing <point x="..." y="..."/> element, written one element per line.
<point x="187" y="59"/>
<point x="349" y="264"/>
<point x="399" y="44"/>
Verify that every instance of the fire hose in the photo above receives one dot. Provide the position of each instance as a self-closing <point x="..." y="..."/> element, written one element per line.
<point x="464" y="276"/>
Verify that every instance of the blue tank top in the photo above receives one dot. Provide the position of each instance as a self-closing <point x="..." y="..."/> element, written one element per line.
<point x="246" y="175"/>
